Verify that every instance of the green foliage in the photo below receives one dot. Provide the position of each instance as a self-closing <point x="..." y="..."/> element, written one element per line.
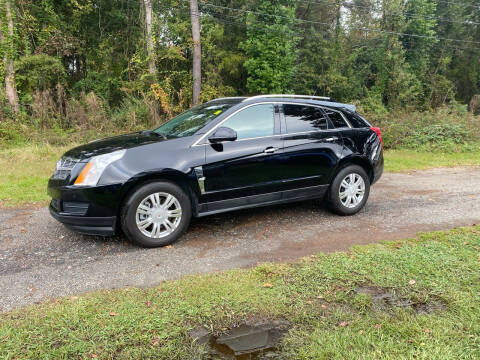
<point x="439" y="133"/>
<point x="38" y="73"/>
<point x="132" y="114"/>
<point x="445" y="129"/>
<point x="103" y="85"/>
<point x="67" y="50"/>
<point x="270" y="47"/>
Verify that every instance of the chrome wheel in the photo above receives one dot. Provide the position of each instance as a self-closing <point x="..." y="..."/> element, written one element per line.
<point x="158" y="215"/>
<point x="352" y="190"/>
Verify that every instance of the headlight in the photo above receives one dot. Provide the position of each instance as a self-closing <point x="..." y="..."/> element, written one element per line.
<point x="94" y="169"/>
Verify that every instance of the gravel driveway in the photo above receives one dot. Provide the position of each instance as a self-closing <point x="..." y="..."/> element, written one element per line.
<point x="40" y="259"/>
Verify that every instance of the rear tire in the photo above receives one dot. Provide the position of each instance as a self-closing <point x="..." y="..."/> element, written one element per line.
<point x="156" y="214"/>
<point x="349" y="191"/>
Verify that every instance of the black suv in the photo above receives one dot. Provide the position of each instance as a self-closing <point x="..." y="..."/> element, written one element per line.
<point x="226" y="154"/>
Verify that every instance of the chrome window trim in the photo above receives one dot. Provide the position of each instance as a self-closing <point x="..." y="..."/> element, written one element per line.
<point x="276" y="135"/>
<point x="196" y="143"/>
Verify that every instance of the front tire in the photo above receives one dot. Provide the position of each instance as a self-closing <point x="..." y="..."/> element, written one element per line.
<point x="349" y="191"/>
<point x="156" y="214"/>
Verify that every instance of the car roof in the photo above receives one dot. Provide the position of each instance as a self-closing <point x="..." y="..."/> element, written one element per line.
<point x="304" y="99"/>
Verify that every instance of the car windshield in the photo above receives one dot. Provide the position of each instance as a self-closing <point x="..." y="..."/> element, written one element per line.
<point x="189" y="122"/>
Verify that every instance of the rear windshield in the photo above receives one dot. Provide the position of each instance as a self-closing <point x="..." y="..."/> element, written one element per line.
<point x="191" y="121"/>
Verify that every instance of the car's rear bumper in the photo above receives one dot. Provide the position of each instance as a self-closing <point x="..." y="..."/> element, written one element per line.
<point x="103" y="226"/>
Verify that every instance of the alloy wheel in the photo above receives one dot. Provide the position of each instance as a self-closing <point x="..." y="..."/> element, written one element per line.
<point x="352" y="190"/>
<point x="158" y="215"/>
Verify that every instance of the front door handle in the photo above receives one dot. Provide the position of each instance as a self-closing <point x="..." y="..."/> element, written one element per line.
<point x="270" y="150"/>
<point x="330" y="139"/>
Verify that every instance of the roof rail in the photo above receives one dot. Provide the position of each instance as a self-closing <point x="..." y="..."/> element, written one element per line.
<point x="324" y="98"/>
<point x="229" y="98"/>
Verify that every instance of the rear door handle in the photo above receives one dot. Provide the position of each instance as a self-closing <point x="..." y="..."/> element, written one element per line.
<point x="330" y="139"/>
<point x="270" y="150"/>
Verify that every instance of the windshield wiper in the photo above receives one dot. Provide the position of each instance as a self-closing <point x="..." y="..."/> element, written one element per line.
<point x="151" y="132"/>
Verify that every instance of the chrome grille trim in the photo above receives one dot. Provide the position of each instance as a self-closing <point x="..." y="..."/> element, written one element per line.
<point x="64" y="168"/>
<point x="67" y="163"/>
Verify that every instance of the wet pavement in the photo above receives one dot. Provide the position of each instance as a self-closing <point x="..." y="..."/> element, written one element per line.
<point x="40" y="259"/>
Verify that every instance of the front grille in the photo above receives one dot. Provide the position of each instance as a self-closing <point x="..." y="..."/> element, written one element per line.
<point x="64" y="168"/>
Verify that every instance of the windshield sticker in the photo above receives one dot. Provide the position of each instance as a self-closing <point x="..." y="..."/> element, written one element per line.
<point x="217" y="112"/>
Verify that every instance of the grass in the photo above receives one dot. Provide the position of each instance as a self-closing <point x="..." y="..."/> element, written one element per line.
<point x="329" y="318"/>
<point x="406" y="160"/>
<point x="26" y="169"/>
<point x="25" y="172"/>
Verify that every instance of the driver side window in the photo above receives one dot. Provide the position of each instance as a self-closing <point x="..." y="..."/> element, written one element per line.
<point x="252" y="122"/>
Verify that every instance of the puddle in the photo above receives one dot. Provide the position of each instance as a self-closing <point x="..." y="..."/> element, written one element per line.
<point x="245" y="342"/>
<point x="384" y="299"/>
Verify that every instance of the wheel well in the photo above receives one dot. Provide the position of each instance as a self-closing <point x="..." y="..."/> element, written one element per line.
<point x="177" y="179"/>
<point x="360" y="162"/>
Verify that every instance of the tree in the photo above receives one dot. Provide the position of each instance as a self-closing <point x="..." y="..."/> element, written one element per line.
<point x="149" y="36"/>
<point x="270" y="47"/>
<point x="321" y="66"/>
<point x="197" y="51"/>
<point x="8" y="58"/>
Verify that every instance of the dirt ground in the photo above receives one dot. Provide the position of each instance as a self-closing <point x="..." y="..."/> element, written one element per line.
<point x="40" y="259"/>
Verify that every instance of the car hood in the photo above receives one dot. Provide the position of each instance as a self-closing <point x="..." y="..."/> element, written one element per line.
<point x="108" y="145"/>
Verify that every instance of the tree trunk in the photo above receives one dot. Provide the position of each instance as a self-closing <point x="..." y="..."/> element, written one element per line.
<point x="10" y="86"/>
<point x="197" y="51"/>
<point x="148" y="25"/>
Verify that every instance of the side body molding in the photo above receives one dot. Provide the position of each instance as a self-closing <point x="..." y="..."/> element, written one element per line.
<point x="200" y="178"/>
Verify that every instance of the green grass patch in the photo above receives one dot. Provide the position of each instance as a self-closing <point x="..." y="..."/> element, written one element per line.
<point x="330" y="319"/>
<point x="405" y="160"/>
<point x="25" y="173"/>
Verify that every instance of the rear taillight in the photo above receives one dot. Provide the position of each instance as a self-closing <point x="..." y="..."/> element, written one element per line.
<point x="379" y="133"/>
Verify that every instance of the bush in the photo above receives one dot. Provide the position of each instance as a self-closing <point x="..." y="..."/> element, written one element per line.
<point x="447" y="128"/>
<point x="83" y="118"/>
<point x="38" y="73"/>
<point x="134" y="113"/>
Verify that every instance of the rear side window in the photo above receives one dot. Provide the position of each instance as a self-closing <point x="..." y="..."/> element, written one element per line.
<point x="336" y="118"/>
<point x="301" y="118"/>
<point x="252" y="122"/>
<point x="356" y="120"/>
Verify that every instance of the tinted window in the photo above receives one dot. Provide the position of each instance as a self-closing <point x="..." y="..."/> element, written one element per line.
<point x="300" y="118"/>
<point x="356" y="120"/>
<point x="254" y="121"/>
<point x="336" y="118"/>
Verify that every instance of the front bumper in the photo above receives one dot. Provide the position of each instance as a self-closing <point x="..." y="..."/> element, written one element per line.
<point x="89" y="210"/>
<point x="103" y="226"/>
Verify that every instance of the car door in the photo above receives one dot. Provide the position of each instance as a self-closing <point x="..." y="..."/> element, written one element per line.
<point x="250" y="165"/>
<point x="311" y="149"/>
<point x="350" y="136"/>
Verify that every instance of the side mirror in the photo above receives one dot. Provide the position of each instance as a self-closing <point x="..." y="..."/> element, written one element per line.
<point x="222" y="134"/>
